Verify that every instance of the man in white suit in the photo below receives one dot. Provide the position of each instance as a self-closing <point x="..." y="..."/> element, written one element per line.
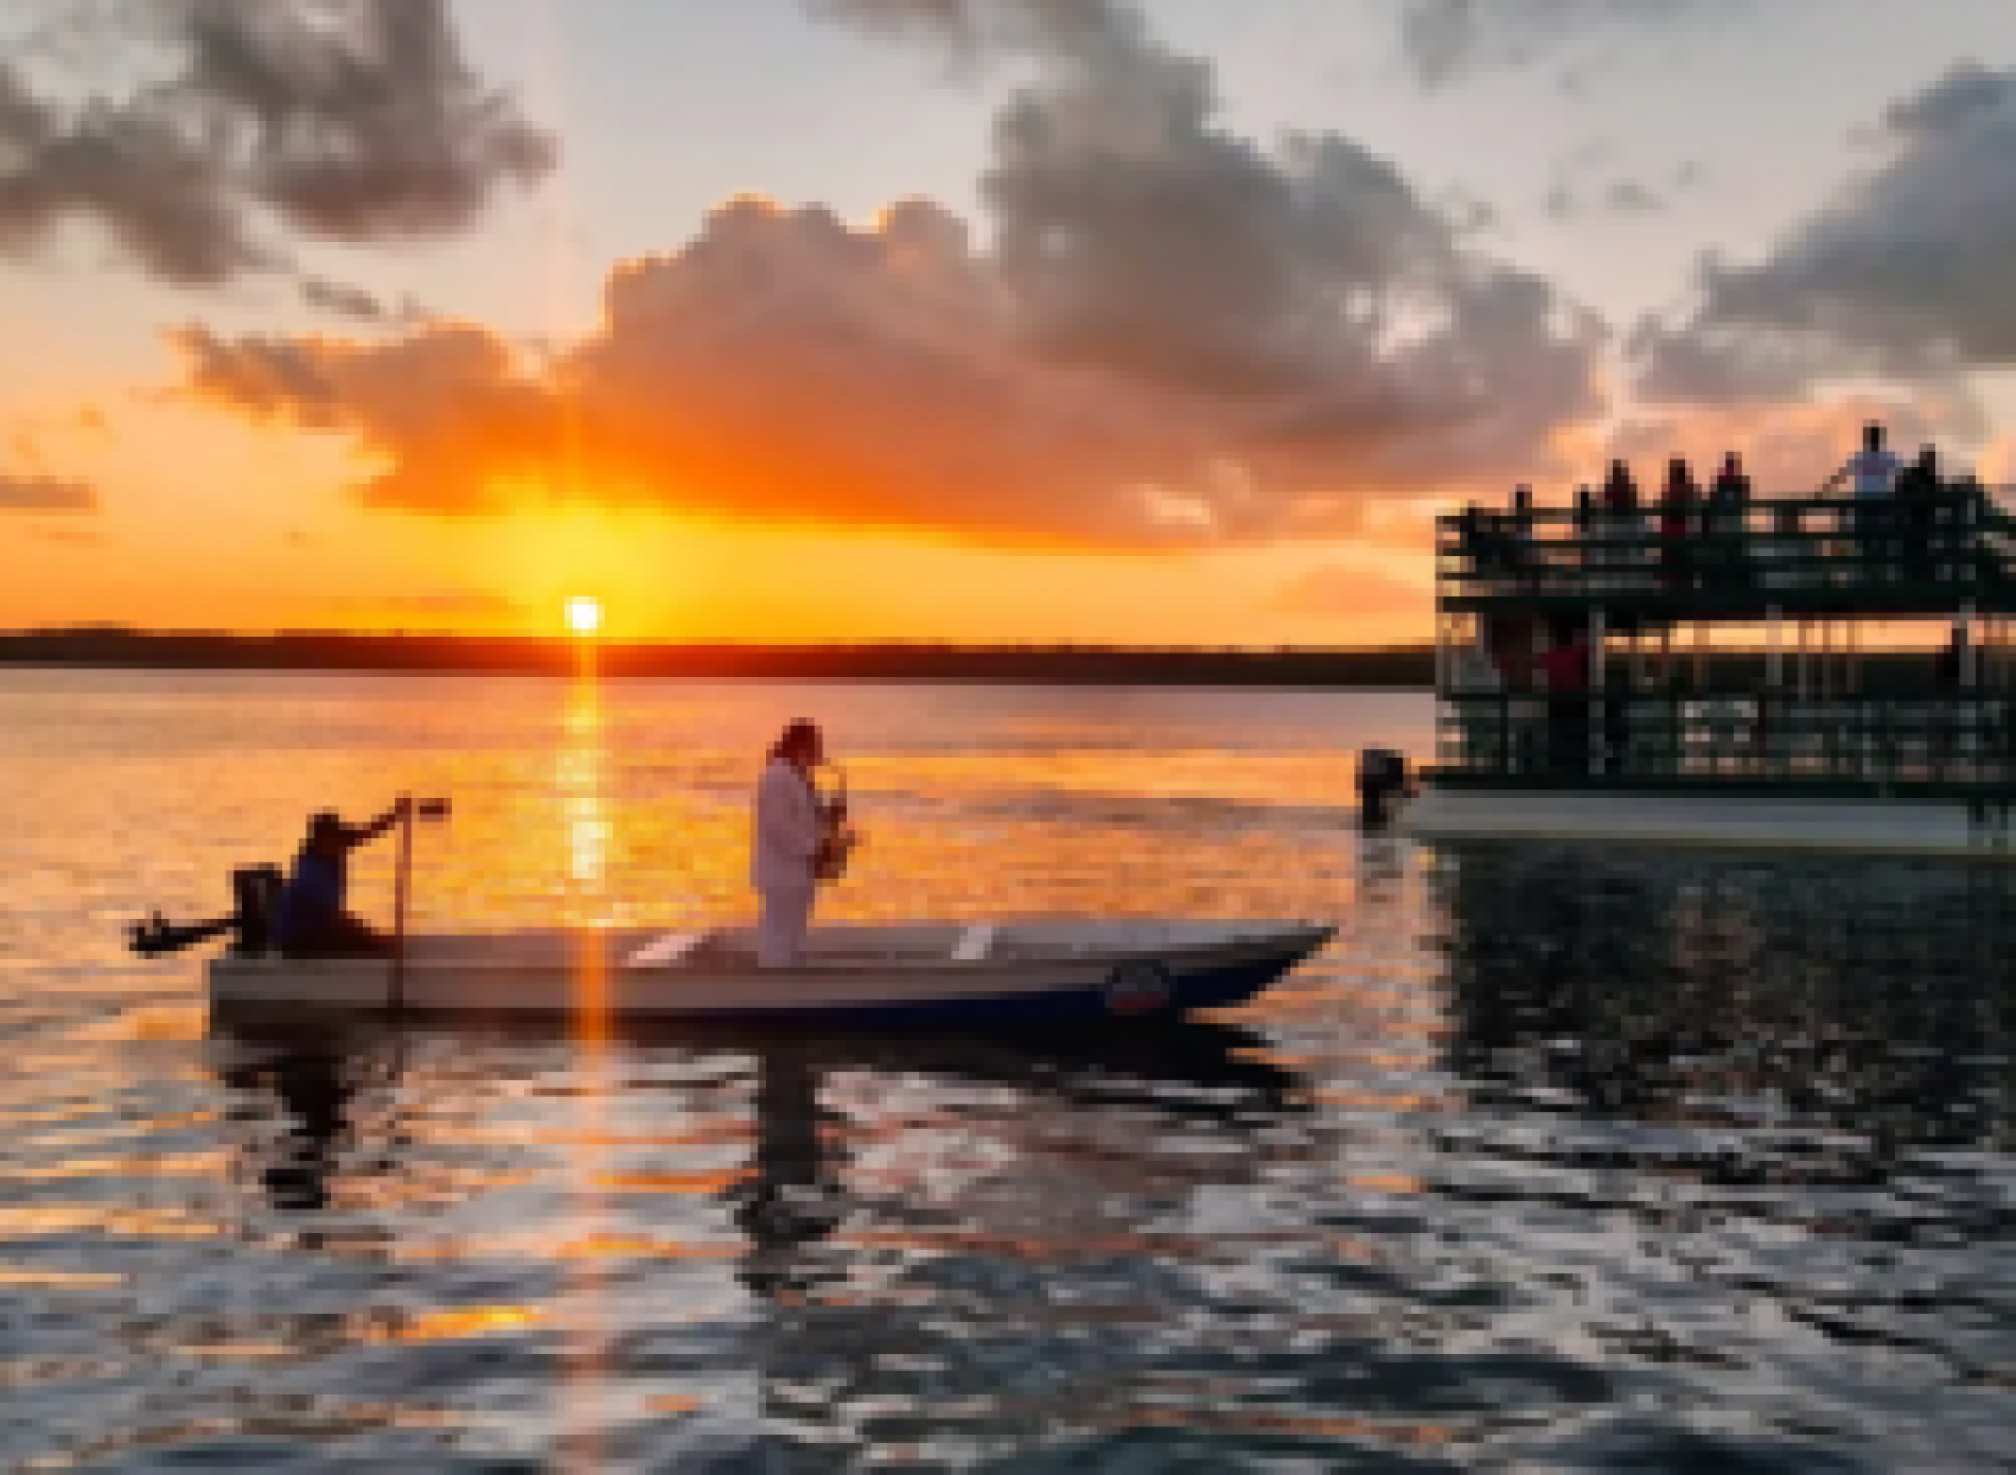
<point x="790" y="841"/>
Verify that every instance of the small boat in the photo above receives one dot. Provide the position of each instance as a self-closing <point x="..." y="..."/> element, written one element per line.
<point x="981" y="973"/>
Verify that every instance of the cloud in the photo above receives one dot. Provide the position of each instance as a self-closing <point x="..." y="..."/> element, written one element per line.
<point x="44" y="494"/>
<point x="343" y="301"/>
<point x="1445" y="39"/>
<point x="346" y="120"/>
<point x="1172" y="335"/>
<point x="1630" y="197"/>
<point x="975" y="30"/>
<point x="1903" y="274"/>
<point x="1620" y="197"/>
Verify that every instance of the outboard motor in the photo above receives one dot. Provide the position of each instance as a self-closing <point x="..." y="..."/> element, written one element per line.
<point x="1382" y="784"/>
<point x="257" y="889"/>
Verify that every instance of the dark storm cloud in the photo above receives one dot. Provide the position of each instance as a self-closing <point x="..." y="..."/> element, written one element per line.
<point x="350" y="120"/>
<point x="1171" y="335"/>
<point x="44" y="494"/>
<point x="1967" y="95"/>
<point x="1904" y="274"/>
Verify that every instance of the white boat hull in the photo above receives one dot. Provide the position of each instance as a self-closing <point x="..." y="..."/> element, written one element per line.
<point x="1009" y="973"/>
<point x="1902" y="827"/>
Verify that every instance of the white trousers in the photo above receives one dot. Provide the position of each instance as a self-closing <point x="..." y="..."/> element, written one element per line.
<point x="785" y="919"/>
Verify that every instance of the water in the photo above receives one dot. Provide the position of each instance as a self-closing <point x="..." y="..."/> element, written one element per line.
<point x="1554" y="1160"/>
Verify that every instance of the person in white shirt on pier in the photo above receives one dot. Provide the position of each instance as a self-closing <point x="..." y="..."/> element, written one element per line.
<point x="1873" y="469"/>
<point x="796" y="842"/>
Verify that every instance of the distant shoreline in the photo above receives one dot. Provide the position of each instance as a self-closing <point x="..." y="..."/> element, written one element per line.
<point x="1404" y="667"/>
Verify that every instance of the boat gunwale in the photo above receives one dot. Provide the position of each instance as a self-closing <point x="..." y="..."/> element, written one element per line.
<point x="1300" y="938"/>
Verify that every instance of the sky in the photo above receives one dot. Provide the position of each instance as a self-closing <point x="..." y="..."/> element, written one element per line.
<point x="1171" y="323"/>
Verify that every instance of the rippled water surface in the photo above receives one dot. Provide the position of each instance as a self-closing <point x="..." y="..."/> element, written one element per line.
<point x="1553" y="1160"/>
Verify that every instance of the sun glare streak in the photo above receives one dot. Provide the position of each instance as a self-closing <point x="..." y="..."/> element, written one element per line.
<point x="580" y="777"/>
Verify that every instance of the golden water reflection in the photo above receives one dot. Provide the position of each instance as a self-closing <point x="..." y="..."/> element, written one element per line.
<point x="1569" y="1164"/>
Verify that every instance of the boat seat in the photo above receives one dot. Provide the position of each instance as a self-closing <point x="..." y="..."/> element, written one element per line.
<point x="974" y="943"/>
<point x="665" y="952"/>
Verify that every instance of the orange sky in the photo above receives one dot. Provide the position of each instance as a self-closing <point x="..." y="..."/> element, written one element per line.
<point x="1135" y="332"/>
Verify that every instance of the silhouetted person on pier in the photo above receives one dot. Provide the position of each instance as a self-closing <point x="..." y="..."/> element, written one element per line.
<point x="1918" y="508"/>
<point x="1624" y="526"/>
<point x="1620" y="492"/>
<point x="1728" y="520"/>
<point x="312" y="921"/>
<point x="1679" y="506"/>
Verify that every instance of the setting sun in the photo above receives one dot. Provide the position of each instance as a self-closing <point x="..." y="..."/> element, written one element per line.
<point x="584" y="615"/>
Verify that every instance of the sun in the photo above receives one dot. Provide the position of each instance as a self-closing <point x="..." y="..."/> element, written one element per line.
<point x="584" y="614"/>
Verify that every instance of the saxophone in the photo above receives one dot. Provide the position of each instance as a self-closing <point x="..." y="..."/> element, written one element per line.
<point x="837" y="838"/>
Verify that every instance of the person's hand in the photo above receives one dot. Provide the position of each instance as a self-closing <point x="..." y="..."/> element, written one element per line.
<point x="402" y="808"/>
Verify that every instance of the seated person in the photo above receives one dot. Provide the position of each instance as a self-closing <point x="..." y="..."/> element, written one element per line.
<point x="1916" y="517"/>
<point x="312" y="922"/>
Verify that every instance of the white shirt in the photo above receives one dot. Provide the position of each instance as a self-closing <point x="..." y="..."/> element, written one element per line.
<point x="1873" y="472"/>
<point x="787" y="829"/>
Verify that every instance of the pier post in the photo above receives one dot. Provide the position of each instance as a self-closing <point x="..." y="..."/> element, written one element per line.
<point x="1596" y="728"/>
<point x="1964" y="721"/>
<point x="1444" y="740"/>
<point x="1772" y="744"/>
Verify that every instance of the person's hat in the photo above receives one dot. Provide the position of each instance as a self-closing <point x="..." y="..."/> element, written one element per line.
<point x="326" y="823"/>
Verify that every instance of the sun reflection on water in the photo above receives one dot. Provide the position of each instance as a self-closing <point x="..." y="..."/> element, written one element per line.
<point x="581" y="779"/>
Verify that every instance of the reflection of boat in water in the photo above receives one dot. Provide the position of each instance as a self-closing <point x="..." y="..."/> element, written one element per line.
<point x="975" y="974"/>
<point x="1655" y="985"/>
<point x="836" y="1176"/>
<point x="1208" y="1074"/>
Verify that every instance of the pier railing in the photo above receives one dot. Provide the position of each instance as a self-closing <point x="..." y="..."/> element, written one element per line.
<point x="1955" y="742"/>
<point x="1816" y="554"/>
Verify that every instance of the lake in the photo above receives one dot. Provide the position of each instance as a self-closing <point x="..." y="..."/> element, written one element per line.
<point x="1554" y="1160"/>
